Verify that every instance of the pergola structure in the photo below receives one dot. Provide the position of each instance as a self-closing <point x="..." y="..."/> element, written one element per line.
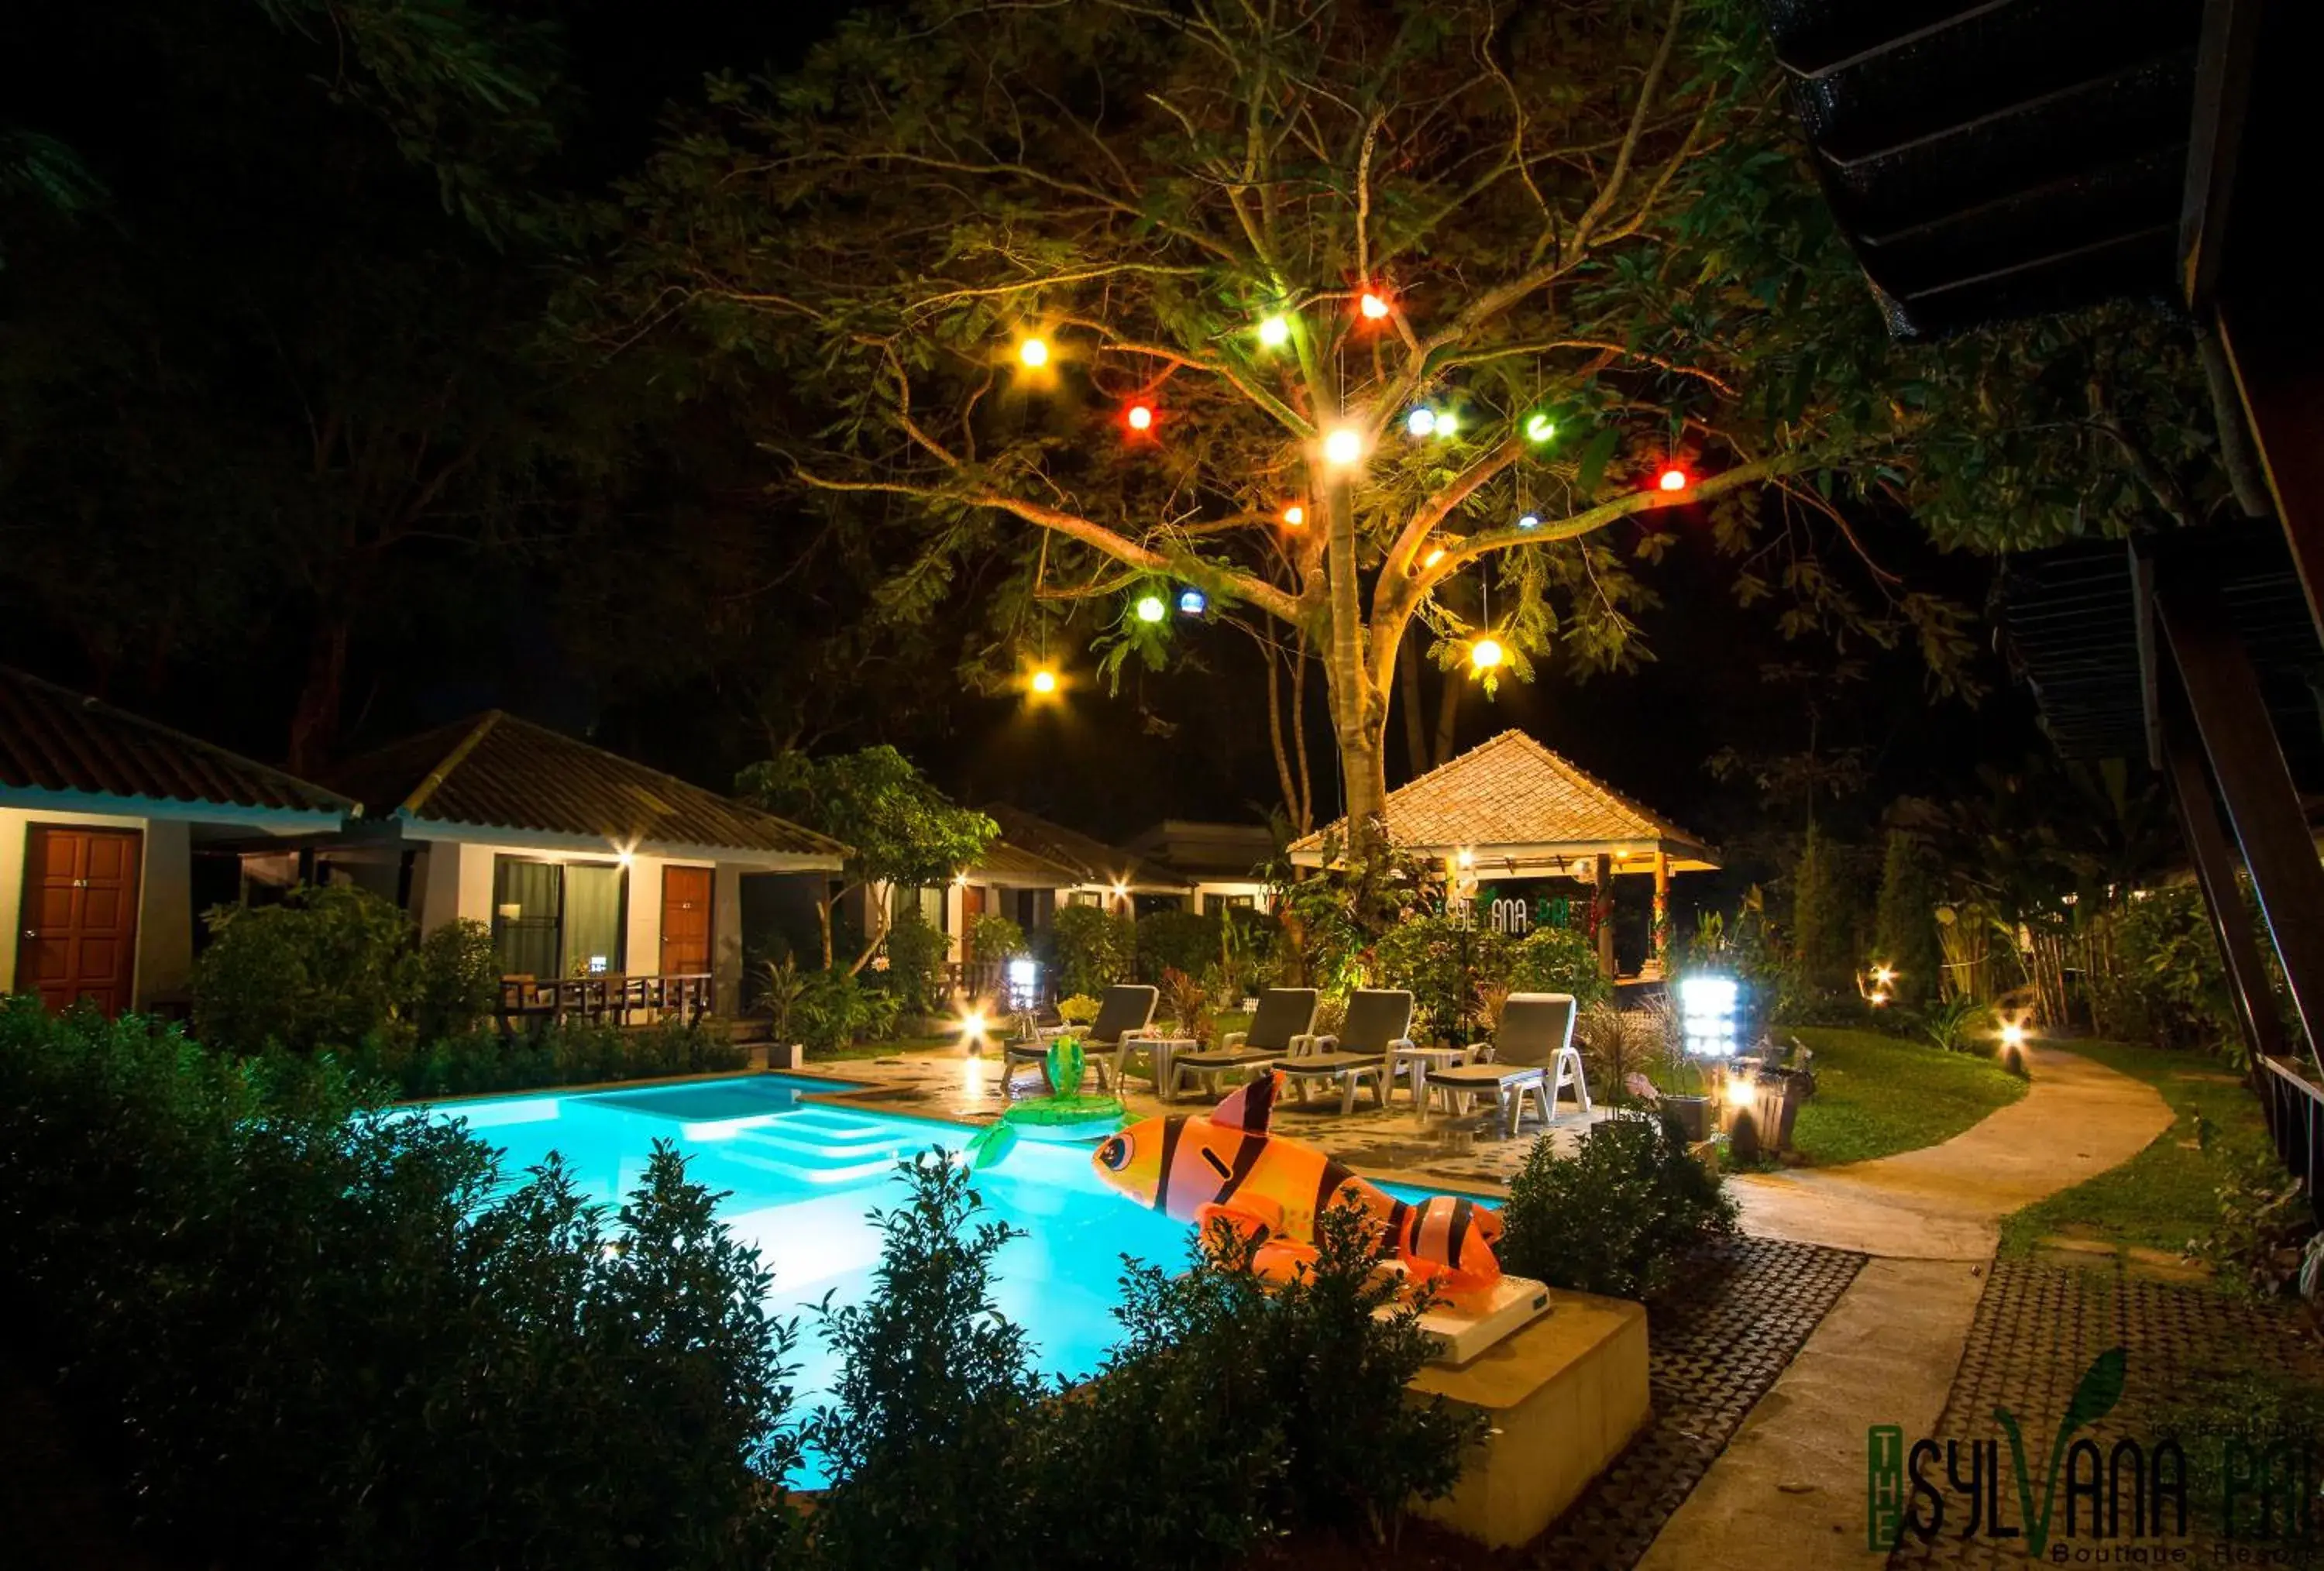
<point x="1512" y="808"/>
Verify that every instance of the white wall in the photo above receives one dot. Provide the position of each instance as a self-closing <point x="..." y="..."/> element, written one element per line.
<point x="641" y="942"/>
<point x="165" y="896"/>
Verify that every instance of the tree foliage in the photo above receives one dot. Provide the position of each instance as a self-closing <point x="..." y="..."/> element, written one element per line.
<point x="898" y="828"/>
<point x="1583" y="221"/>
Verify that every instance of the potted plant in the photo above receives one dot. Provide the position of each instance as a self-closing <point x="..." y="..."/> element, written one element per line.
<point x="1687" y="1099"/>
<point x="778" y="1000"/>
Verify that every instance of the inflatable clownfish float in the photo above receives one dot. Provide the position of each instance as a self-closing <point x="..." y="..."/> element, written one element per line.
<point x="1227" y="1168"/>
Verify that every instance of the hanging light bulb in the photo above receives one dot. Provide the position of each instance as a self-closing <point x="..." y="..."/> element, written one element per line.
<point x="1294" y="516"/>
<point x="1192" y="602"/>
<point x="1447" y="422"/>
<point x="1421" y="422"/>
<point x="1149" y="608"/>
<point x="1344" y="445"/>
<point x="1539" y="428"/>
<point x="1373" y="306"/>
<point x="1485" y="655"/>
<point x="1139" y="417"/>
<point x="1044" y="681"/>
<point x="1275" y="331"/>
<point x="1433" y="558"/>
<point x="1033" y="352"/>
<point x="1530" y="520"/>
<point x="1672" y="479"/>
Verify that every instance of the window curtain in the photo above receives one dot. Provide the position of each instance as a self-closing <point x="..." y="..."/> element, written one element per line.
<point x="525" y="916"/>
<point x="592" y="918"/>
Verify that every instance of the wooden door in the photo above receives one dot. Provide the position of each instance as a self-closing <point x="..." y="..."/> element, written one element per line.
<point x="685" y="921"/>
<point x="79" y="921"/>
<point x="971" y="906"/>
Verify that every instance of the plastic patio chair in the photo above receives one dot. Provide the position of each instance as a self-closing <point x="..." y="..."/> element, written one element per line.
<point x="1123" y="1015"/>
<point x="1377" y="1023"/>
<point x="1533" y="1054"/>
<point x="1284" y="1024"/>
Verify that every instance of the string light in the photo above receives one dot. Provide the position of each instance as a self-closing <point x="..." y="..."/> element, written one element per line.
<point x="1421" y="422"/>
<point x="1275" y="331"/>
<point x="1149" y="608"/>
<point x="1433" y="558"/>
<point x="1672" y="479"/>
<point x="1033" y="352"/>
<point x="1294" y="515"/>
<point x="1343" y="446"/>
<point x="1530" y="520"/>
<point x="1044" y="681"/>
<point x="1140" y="417"/>
<point x="1447" y="422"/>
<point x="1539" y="428"/>
<point x="1373" y="307"/>
<point x="1192" y="602"/>
<point x="1485" y="655"/>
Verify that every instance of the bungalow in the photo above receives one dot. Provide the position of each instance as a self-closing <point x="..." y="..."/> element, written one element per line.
<point x="104" y="819"/>
<point x="581" y="862"/>
<point x="1219" y="860"/>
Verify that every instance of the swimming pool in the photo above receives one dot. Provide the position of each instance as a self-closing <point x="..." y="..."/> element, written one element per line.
<point x="802" y="1177"/>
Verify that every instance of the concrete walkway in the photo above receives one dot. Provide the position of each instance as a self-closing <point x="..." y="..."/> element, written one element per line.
<point x="1790" y="1484"/>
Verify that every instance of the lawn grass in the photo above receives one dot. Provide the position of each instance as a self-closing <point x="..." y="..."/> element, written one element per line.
<point x="1877" y="1096"/>
<point x="2167" y="1194"/>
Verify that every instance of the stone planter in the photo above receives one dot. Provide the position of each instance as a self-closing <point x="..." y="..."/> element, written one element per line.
<point x="782" y="1056"/>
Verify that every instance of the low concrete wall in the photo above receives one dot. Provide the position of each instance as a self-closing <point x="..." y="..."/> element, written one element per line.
<point x="1562" y="1397"/>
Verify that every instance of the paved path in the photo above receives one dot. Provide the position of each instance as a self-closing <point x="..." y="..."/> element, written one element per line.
<point x="1791" y="1484"/>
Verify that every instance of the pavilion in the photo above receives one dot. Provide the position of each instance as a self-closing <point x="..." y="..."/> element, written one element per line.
<point x="1511" y="808"/>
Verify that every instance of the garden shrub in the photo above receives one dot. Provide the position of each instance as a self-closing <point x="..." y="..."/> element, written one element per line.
<point x="1079" y="1009"/>
<point x="1905" y="923"/>
<point x="457" y="986"/>
<point x="303" y="1330"/>
<point x="1089" y="950"/>
<point x="834" y="1010"/>
<point x="1821" y="977"/>
<point x="1558" y="960"/>
<point x="1617" y="1215"/>
<point x="1443" y="961"/>
<point x="573" y="1052"/>
<point x="1246" y="1409"/>
<point x="2170" y="963"/>
<point x="917" y="950"/>
<point x="937" y="1397"/>
<point x="1176" y="941"/>
<point x="326" y="967"/>
<point x="994" y="937"/>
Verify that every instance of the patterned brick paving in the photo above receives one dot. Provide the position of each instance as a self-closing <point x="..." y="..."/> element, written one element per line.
<point x="2038" y="1328"/>
<point x="1716" y="1344"/>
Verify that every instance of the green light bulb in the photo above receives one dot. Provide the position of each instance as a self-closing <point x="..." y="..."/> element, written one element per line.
<point x="1539" y="428"/>
<point x="1275" y="331"/>
<point x="1151" y="609"/>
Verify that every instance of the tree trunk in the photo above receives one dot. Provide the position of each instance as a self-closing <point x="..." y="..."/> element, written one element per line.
<point x="1358" y="710"/>
<point x="1303" y="814"/>
<point x="823" y="919"/>
<point x="1407" y="698"/>
<point x="315" y="722"/>
<point x="1448" y="719"/>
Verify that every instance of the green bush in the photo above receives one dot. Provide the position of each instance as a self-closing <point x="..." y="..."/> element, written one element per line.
<point x="917" y="950"/>
<point x="1617" y="1215"/>
<point x="835" y="1010"/>
<point x="1443" y="962"/>
<point x="1558" y="960"/>
<point x="574" y="1052"/>
<point x="1088" y="949"/>
<point x="1905" y="923"/>
<point x="337" y="966"/>
<point x="1176" y="941"/>
<point x="2170" y="966"/>
<point x="1820" y="975"/>
<point x="994" y="937"/>
<point x="1237" y="1408"/>
<point x="302" y="1330"/>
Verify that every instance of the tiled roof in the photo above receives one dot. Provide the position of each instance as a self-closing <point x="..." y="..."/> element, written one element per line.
<point x="52" y="739"/>
<point x="1088" y="859"/>
<point x="1005" y="864"/>
<point x="496" y="772"/>
<point x="1513" y="791"/>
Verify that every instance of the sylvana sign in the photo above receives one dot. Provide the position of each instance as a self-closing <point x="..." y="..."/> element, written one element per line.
<point x="2076" y="1502"/>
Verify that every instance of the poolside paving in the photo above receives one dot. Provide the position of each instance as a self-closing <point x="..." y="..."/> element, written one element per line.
<point x="1449" y="1150"/>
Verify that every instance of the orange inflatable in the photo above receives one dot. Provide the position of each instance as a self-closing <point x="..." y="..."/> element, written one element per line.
<point x="1269" y="1188"/>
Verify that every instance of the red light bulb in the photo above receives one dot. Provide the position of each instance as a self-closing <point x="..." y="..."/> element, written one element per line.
<point x="1672" y="479"/>
<point x="1372" y="306"/>
<point x="1140" y="417"/>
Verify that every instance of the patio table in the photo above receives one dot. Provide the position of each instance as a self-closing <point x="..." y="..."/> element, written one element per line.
<point x="1162" y="1050"/>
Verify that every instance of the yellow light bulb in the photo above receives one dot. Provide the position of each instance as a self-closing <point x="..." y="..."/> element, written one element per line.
<point x="1044" y="681"/>
<point x="1294" y="515"/>
<point x="1033" y="352"/>
<point x="1343" y="446"/>
<point x="1485" y="654"/>
<point x="1433" y="558"/>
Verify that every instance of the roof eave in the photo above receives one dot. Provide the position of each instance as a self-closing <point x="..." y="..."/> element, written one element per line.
<point x="424" y="828"/>
<point x="273" y="820"/>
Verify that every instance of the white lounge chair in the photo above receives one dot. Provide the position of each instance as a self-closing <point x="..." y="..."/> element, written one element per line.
<point x="1123" y="1015"/>
<point x="1377" y="1023"/>
<point x="1284" y="1024"/>
<point x="1532" y="1055"/>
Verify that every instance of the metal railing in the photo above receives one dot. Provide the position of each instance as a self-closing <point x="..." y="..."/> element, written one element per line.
<point x="2294" y="1107"/>
<point x="622" y="1000"/>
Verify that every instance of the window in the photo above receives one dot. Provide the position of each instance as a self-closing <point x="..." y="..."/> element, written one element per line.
<point x="1085" y="896"/>
<point x="557" y="919"/>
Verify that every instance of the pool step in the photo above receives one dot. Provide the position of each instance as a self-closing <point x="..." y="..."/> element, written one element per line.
<point x="818" y="1146"/>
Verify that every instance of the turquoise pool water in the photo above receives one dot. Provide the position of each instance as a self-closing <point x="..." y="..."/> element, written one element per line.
<point x="802" y="1175"/>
